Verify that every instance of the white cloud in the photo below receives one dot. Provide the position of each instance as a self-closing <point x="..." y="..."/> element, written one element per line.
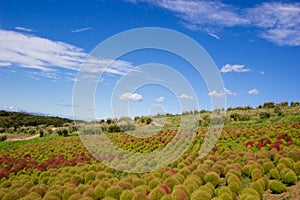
<point x="234" y="68"/>
<point x="215" y="93"/>
<point x="160" y="99"/>
<point x="81" y="30"/>
<point x="185" y="96"/>
<point x="9" y="107"/>
<point x="131" y="97"/>
<point x="19" y="28"/>
<point x="29" y="51"/>
<point x="277" y="22"/>
<point x="253" y="91"/>
<point x="4" y="64"/>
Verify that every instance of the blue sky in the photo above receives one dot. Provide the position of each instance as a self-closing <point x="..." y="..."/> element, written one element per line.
<point x="254" y="44"/>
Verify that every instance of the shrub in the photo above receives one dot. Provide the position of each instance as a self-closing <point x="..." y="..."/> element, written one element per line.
<point x="68" y="193"/>
<point x="225" y="196"/>
<point x="201" y="195"/>
<point x="256" y="174"/>
<point x="274" y="173"/>
<point x="78" y="178"/>
<point x="76" y="196"/>
<point x="268" y="166"/>
<point x="10" y="196"/>
<point x="191" y="185"/>
<point x="287" y="162"/>
<point x="21" y="192"/>
<point x="179" y="194"/>
<point x="184" y="188"/>
<point x="277" y="187"/>
<point x="297" y="168"/>
<point x="52" y="194"/>
<point x="235" y="186"/>
<point x="171" y="182"/>
<point x="250" y="192"/>
<point x="127" y="195"/>
<point x="259" y="187"/>
<point x="142" y="188"/>
<point x="99" y="192"/>
<point x="140" y="196"/>
<point x="114" y="191"/>
<point x="212" y="177"/>
<point x="90" y="176"/>
<point x="157" y="193"/>
<point x="290" y="178"/>
<point x="6" y="184"/>
<point x="153" y="183"/>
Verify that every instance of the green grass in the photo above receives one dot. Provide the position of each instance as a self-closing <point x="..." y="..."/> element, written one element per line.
<point x="14" y="144"/>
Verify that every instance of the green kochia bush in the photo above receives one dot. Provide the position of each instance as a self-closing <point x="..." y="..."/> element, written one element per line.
<point x="114" y="191"/>
<point x="274" y="173"/>
<point x="157" y="193"/>
<point x="127" y="195"/>
<point x="290" y="178"/>
<point x="277" y="187"/>
<point x="249" y="194"/>
<point x="212" y="177"/>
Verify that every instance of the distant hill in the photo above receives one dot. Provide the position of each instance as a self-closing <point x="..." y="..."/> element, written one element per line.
<point x="19" y="119"/>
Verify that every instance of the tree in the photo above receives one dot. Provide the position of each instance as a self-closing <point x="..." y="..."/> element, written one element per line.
<point x="294" y="104"/>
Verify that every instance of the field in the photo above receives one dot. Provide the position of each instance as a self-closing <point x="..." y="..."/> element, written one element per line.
<point x="256" y="158"/>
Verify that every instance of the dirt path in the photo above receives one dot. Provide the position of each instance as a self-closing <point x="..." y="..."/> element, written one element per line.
<point x="19" y="138"/>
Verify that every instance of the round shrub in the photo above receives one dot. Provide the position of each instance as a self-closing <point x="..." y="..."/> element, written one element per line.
<point x="6" y="184"/>
<point x="184" y="188"/>
<point x="223" y="190"/>
<point x="235" y="186"/>
<point x="226" y="196"/>
<point x="68" y="193"/>
<point x="140" y="196"/>
<point x="127" y="195"/>
<point x="89" y="176"/>
<point x="32" y="195"/>
<point x="171" y="182"/>
<point x="21" y="192"/>
<point x="10" y="196"/>
<point x="201" y="195"/>
<point x="28" y="185"/>
<point x="153" y="183"/>
<point x="114" y="191"/>
<point x="277" y="187"/>
<point x="89" y="192"/>
<point x="256" y="174"/>
<point x="179" y="194"/>
<point x="287" y="162"/>
<point x="99" y="192"/>
<point x="157" y="193"/>
<point x="137" y="181"/>
<point x="259" y="187"/>
<point x="125" y="185"/>
<point x="191" y="185"/>
<point x="290" y="178"/>
<point x="52" y="194"/>
<point x="297" y="168"/>
<point x="249" y="192"/>
<point x="274" y="173"/>
<point x="142" y="188"/>
<point x="212" y="177"/>
<point x="78" y="178"/>
<point x="75" y="196"/>
<point x="268" y="166"/>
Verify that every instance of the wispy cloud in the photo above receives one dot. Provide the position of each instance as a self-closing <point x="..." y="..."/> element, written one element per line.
<point x="48" y="56"/>
<point x="215" y="93"/>
<point x="160" y="99"/>
<point x="4" y="64"/>
<point x="185" y="96"/>
<point x="278" y="22"/>
<point x="81" y="30"/>
<point x="19" y="28"/>
<point x="131" y="97"/>
<point x="9" y="107"/>
<point x="234" y="68"/>
<point x="253" y="91"/>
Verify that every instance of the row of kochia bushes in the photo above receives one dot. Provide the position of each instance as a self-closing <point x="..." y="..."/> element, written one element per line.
<point x="219" y="177"/>
<point x="229" y="172"/>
